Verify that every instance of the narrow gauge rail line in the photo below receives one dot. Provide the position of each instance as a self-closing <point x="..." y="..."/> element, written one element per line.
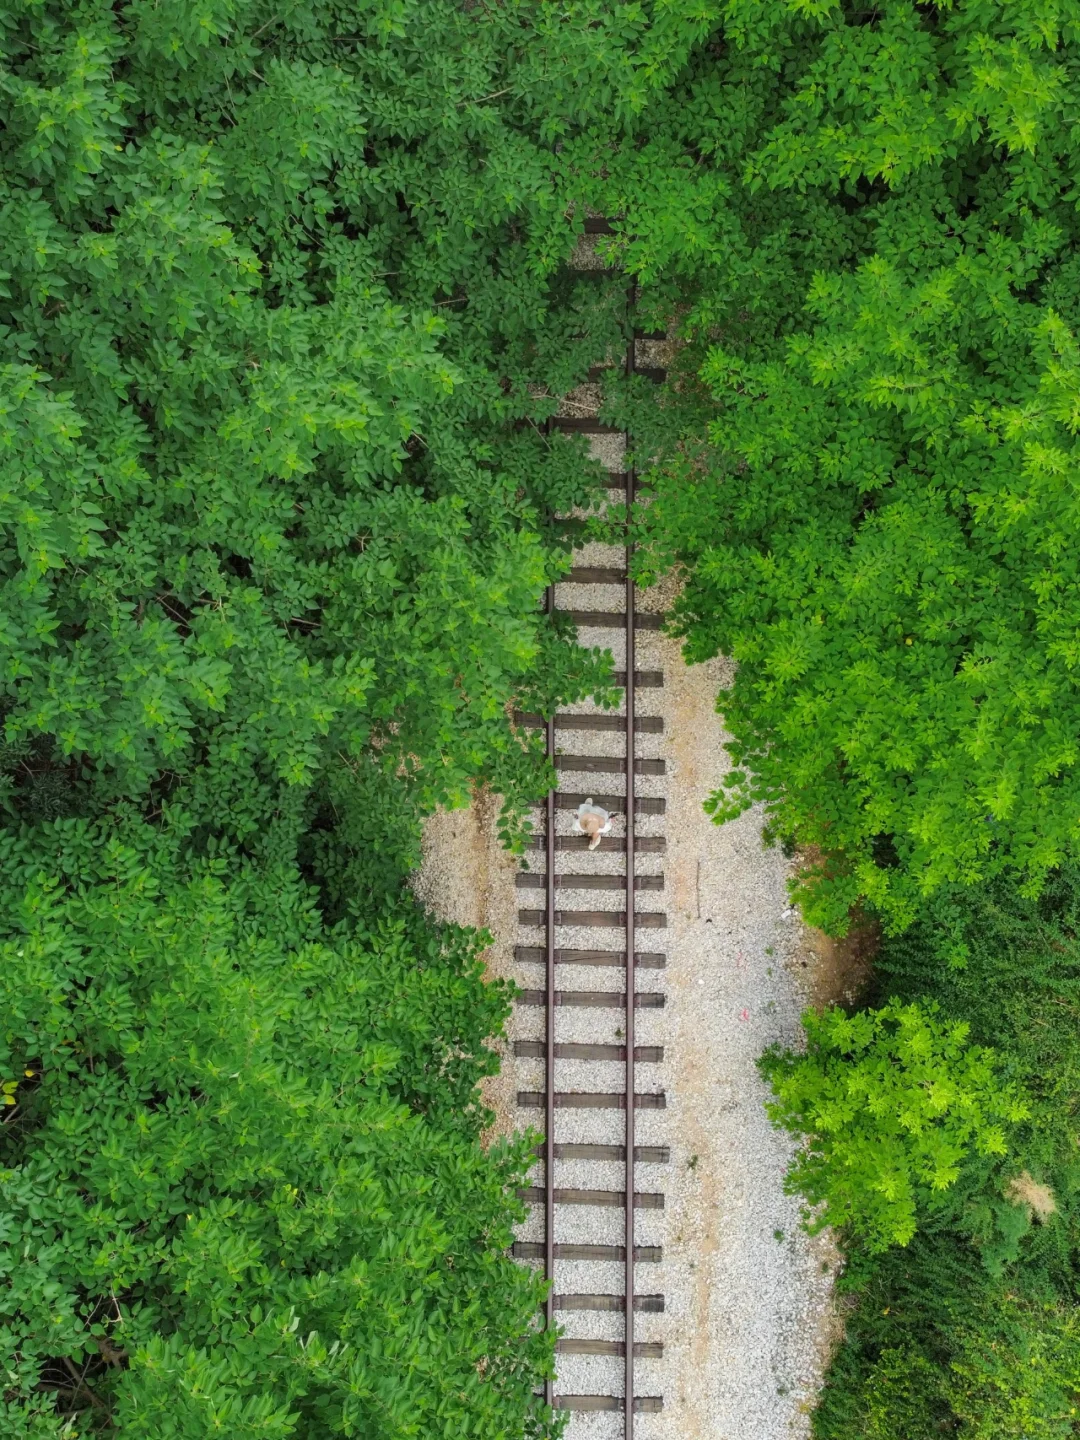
<point x="551" y="1196"/>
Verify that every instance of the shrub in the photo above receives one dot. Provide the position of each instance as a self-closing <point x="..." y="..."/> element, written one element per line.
<point x="936" y="1346"/>
<point x="889" y="1103"/>
<point x="970" y="1329"/>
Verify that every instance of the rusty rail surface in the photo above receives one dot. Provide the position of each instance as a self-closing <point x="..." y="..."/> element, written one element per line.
<point x="549" y="1196"/>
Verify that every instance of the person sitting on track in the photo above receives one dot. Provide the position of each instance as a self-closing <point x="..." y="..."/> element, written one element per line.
<point x="592" y="820"/>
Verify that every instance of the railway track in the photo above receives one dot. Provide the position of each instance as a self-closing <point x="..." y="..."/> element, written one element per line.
<point x="589" y="1025"/>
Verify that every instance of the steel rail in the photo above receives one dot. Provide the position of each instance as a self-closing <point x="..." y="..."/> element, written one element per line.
<point x="631" y="978"/>
<point x="551" y="1100"/>
<point x="549" y="1046"/>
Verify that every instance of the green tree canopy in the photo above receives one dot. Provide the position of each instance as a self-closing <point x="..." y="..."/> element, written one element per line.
<point x="890" y="1104"/>
<point x="243" y="1189"/>
<point x="281" y="318"/>
<point x="283" y="310"/>
<point x="868" y="218"/>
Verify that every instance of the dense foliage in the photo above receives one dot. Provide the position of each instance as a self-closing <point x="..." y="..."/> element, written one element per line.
<point x="243" y="1159"/>
<point x="867" y="215"/>
<point x="264" y="338"/>
<point x="890" y="1103"/>
<point x="862" y="220"/>
<point x="972" y="1328"/>
<point x="282" y="312"/>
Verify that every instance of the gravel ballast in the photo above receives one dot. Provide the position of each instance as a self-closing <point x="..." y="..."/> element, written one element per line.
<point x="748" y="1318"/>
